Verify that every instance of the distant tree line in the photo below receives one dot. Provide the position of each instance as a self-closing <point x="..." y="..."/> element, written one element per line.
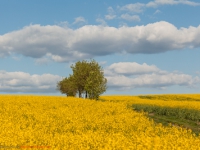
<point x="87" y="78"/>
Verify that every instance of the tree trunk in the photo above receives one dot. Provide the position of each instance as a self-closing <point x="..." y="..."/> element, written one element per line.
<point x="79" y="94"/>
<point x="86" y="94"/>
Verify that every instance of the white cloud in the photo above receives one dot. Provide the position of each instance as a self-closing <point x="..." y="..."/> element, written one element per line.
<point x="101" y="21"/>
<point x="26" y="83"/>
<point x="66" y="44"/>
<point x="152" y="81"/>
<point x="140" y="7"/>
<point x="129" y="75"/>
<point x="157" y="3"/>
<point x="130" y="68"/>
<point x="137" y="7"/>
<point x="122" y="75"/>
<point x="130" y="17"/>
<point x="79" y="20"/>
<point x="64" y="24"/>
<point x="157" y="12"/>
<point x="110" y="17"/>
<point x="111" y="14"/>
<point x="110" y="10"/>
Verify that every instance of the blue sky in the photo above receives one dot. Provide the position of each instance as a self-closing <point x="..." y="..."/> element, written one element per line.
<point x="145" y="47"/>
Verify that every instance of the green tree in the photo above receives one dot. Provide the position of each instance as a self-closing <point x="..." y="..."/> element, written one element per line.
<point x="87" y="77"/>
<point x="95" y="83"/>
<point x="80" y="74"/>
<point x="67" y="86"/>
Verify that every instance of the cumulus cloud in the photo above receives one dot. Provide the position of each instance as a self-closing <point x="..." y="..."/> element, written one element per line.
<point x="65" y="44"/>
<point x="129" y="75"/>
<point x="130" y="17"/>
<point x="130" y="68"/>
<point x="26" y="83"/>
<point x="151" y="81"/>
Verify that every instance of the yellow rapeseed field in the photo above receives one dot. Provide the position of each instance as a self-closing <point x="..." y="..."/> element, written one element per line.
<point x="61" y="123"/>
<point x="190" y="101"/>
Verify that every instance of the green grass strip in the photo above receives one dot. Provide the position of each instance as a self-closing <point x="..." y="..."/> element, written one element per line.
<point x="184" y="123"/>
<point x="187" y="118"/>
<point x="177" y="112"/>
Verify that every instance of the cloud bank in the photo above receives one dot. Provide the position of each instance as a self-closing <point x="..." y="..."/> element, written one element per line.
<point x="13" y="82"/>
<point x="120" y="76"/>
<point x="130" y="75"/>
<point x="63" y="44"/>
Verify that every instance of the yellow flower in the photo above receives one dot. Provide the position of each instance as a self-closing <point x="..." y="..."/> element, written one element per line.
<point x="71" y="123"/>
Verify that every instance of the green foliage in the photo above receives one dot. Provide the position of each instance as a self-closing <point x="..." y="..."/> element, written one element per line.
<point x="88" y="78"/>
<point x="80" y="73"/>
<point x="95" y="83"/>
<point x="67" y="86"/>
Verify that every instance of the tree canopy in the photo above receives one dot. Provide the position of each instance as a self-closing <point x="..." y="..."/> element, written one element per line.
<point x="87" y="78"/>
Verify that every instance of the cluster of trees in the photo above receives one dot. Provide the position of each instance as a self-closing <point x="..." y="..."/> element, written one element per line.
<point x="87" y="78"/>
